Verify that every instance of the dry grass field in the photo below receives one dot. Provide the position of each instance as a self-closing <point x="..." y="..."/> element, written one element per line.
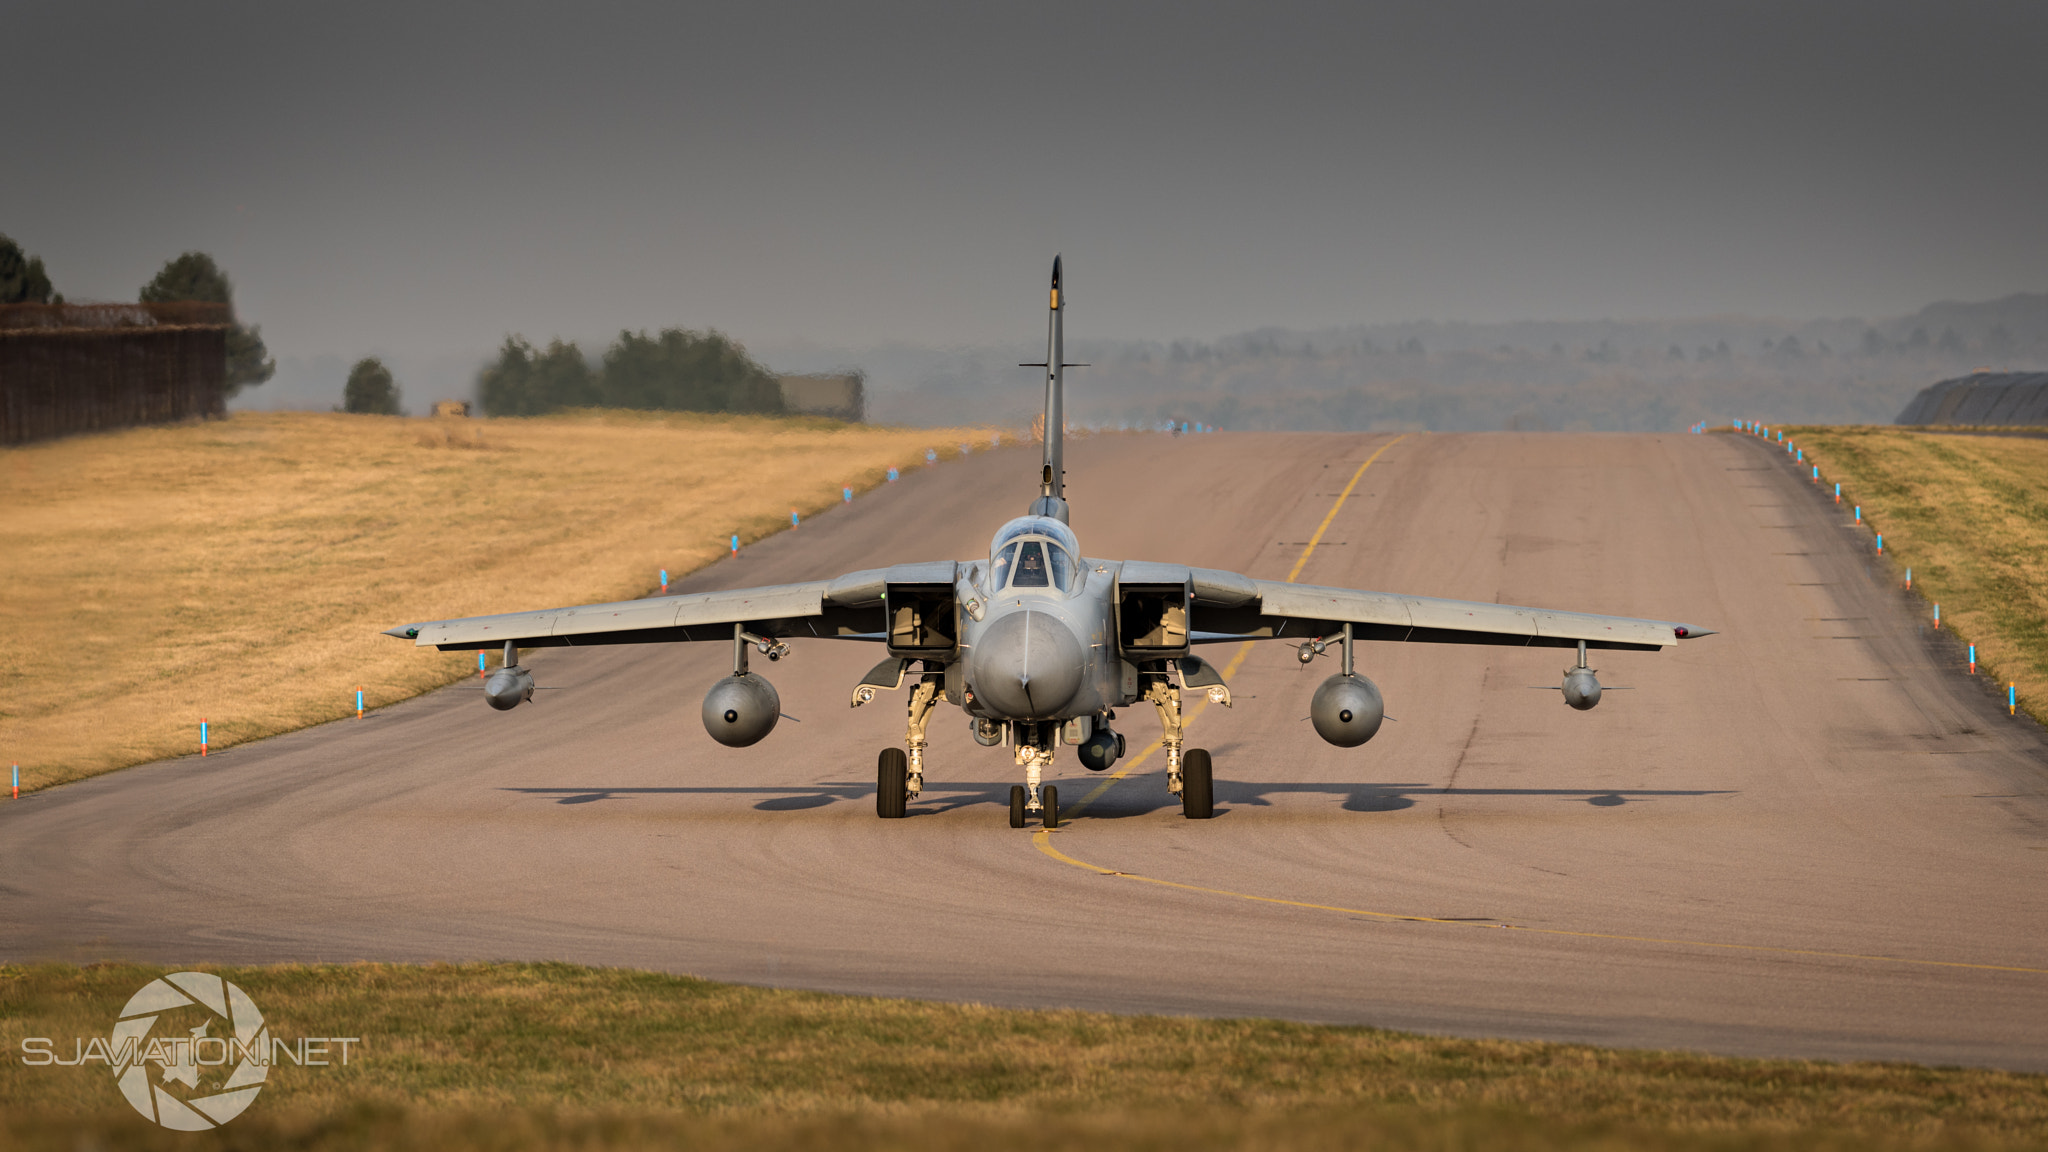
<point x="1969" y="515"/>
<point x="240" y="570"/>
<point x="557" y="1056"/>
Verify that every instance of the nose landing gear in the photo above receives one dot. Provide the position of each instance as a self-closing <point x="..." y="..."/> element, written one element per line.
<point x="1034" y="742"/>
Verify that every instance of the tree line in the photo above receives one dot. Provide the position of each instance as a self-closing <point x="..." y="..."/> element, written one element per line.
<point x="677" y="369"/>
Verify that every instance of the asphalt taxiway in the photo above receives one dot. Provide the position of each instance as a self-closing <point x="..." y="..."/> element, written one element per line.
<point x="1809" y="835"/>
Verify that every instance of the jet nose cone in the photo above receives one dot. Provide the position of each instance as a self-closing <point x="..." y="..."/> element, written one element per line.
<point x="1026" y="666"/>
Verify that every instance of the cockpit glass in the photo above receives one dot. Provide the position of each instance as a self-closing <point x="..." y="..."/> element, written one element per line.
<point x="1034" y="552"/>
<point x="1030" y="567"/>
<point x="1032" y="564"/>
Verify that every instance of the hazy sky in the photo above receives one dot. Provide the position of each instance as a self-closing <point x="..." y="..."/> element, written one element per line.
<point x="425" y="179"/>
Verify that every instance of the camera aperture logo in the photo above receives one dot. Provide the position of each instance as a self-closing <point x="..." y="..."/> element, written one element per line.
<point x="190" y="1051"/>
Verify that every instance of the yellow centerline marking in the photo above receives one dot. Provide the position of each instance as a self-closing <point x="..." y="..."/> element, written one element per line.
<point x="1042" y="839"/>
<point x="1044" y="843"/>
<point x="1332" y="514"/>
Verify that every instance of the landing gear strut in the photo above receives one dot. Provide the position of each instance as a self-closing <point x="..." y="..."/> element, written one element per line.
<point x="1188" y="773"/>
<point x="1166" y="698"/>
<point x="924" y="699"/>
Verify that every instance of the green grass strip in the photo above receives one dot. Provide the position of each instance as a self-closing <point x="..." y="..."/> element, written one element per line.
<point x="1969" y="515"/>
<point x="531" y="1056"/>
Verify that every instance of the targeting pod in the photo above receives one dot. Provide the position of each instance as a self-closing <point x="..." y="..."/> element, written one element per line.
<point x="741" y="709"/>
<point x="1347" y="710"/>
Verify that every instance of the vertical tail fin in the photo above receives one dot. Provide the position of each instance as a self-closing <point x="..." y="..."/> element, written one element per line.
<point x="1052" y="485"/>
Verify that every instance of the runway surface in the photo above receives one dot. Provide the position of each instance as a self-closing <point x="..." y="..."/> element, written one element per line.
<point x="1810" y="835"/>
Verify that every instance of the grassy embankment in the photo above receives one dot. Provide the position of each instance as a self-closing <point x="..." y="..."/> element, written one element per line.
<point x="1969" y="516"/>
<point x="239" y="571"/>
<point x="556" y="1056"/>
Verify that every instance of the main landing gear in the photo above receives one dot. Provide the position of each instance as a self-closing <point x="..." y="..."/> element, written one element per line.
<point x="899" y="774"/>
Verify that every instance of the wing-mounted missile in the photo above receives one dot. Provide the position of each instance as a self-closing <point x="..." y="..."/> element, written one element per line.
<point x="510" y="686"/>
<point x="1581" y="687"/>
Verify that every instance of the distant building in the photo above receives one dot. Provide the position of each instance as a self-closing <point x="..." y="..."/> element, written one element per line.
<point x="451" y="407"/>
<point x="842" y="397"/>
<point x="1982" y="398"/>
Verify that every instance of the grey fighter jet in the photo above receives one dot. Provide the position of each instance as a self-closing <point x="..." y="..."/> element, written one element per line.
<point x="1039" y="644"/>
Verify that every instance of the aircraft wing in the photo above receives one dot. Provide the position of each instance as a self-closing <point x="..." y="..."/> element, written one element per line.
<point x="1229" y="606"/>
<point x="849" y="607"/>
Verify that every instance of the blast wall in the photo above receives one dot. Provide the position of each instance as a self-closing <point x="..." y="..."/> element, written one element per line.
<point x="84" y="368"/>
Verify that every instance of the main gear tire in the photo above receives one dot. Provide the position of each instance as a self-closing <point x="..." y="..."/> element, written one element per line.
<point x="892" y="784"/>
<point x="1197" y="785"/>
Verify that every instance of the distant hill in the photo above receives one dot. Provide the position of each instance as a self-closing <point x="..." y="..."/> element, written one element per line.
<point x="2017" y="324"/>
<point x="1614" y="375"/>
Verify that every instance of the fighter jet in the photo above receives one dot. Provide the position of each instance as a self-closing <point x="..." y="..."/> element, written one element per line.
<point x="1039" y="644"/>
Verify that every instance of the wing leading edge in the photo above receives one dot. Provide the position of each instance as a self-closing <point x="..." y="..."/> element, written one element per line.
<point x="1232" y="607"/>
<point x="847" y="608"/>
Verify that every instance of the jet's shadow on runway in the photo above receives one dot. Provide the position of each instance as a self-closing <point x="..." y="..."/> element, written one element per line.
<point x="939" y="796"/>
<point x="781" y="799"/>
<point x="1140" y="800"/>
<point x="1136" y="799"/>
